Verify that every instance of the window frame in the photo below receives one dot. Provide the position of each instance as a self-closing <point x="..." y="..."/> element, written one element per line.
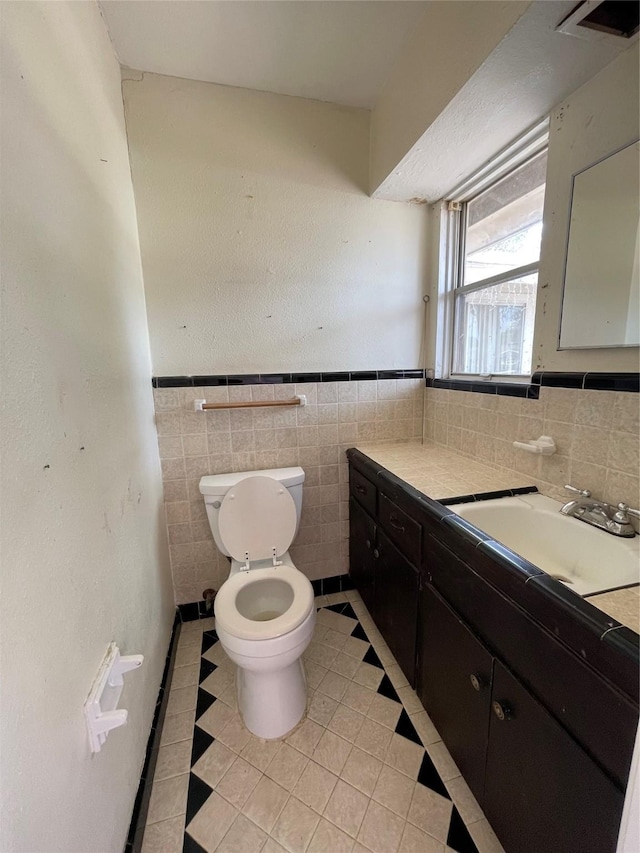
<point x="453" y="229"/>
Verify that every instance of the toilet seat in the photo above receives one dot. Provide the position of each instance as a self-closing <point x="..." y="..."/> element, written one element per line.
<point x="257" y="520"/>
<point x="235" y="623"/>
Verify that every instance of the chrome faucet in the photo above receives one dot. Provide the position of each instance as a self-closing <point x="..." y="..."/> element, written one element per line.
<point x="612" y="519"/>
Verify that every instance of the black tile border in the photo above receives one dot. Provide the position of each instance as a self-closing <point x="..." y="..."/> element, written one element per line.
<point x="141" y="804"/>
<point x="488" y="496"/>
<point x="629" y="382"/>
<point x="612" y="589"/>
<point x="503" y="389"/>
<point x="223" y="380"/>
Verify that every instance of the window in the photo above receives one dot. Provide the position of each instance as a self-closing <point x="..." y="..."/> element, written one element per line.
<point x="494" y="251"/>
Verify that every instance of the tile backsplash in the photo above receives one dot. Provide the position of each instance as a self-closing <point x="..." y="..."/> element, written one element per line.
<point x="596" y="433"/>
<point x="338" y="415"/>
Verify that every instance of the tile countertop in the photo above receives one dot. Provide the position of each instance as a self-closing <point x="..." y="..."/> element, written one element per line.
<point x="441" y="474"/>
<point x="622" y="605"/>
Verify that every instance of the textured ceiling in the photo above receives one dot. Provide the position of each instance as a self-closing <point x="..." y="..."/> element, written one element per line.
<point x="340" y="52"/>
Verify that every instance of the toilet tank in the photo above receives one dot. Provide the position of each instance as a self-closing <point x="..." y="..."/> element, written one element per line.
<point x="214" y="487"/>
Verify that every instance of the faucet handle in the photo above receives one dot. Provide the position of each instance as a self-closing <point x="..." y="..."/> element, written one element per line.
<point x="584" y="493"/>
<point x="625" y="510"/>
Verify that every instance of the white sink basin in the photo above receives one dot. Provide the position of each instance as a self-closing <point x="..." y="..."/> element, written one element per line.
<point x="584" y="558"/>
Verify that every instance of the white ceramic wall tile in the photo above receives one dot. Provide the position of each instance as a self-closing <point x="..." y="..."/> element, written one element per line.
<point x="315" y="437"/>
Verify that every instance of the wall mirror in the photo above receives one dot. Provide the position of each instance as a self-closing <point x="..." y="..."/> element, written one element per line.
<point x="601" y="297"/>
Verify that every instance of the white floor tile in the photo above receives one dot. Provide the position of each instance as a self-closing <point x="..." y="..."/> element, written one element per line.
<point x="346" y="808"/>
<point x="344" y="781"/>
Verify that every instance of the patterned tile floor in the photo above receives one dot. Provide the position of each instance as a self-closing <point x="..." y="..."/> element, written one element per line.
<point x="365" y="772"/>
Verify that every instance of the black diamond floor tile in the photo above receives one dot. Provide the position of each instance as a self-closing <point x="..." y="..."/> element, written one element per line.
<point x="206" y="668"/>
<point x="209" y="638"/>
<point x="458" y="838"/>
<point x="405" y="727"/>
<point x="387" y="689"/>
<point x="191" y="846"/>
<point x="201" y="742"/>
<point x="430" y="778"/>
<point x="358" y="633"/>
<point x="349" y="611"/>
<point x="372" y="658"/>
<point x="199" y="793"/>
<point x="336" y="608"/>
<point x="205" y="701"/>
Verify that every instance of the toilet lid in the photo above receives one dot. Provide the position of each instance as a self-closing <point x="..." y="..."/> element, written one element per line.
<point x="257" y="515"/>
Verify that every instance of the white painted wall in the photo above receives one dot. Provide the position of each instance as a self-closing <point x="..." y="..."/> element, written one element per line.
<point x="446" y="48"/>
<point x="260" y="247"/>
<point x="84" y="557"/>
<point x="596" y="120"/>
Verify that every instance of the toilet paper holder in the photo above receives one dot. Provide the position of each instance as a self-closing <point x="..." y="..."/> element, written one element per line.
<point x="101" y="710"/>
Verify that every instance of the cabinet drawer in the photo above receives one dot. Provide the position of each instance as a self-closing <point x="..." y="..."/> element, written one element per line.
<point x="403" y="531"/>
<point x="363" y="491"/>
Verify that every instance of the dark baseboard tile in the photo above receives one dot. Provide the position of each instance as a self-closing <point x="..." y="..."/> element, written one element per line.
<point x="141" y="805"/>
<point x="337" y="583"/>
<point x="194" y="610"/>
<point x="281" y="378"/>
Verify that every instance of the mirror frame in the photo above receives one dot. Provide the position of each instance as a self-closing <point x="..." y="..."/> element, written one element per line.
<point x="560" y="348"/>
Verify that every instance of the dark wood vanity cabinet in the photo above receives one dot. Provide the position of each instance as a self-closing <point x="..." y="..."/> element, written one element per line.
<point x="542" y="791"/>
<point x="395" y="609"/>
<point x="539" y="789"/>
<point x="362" y="542"/>
<point x="455" y="672"/>
<point x="541" y="729"/>
<point x="387" y="581"/>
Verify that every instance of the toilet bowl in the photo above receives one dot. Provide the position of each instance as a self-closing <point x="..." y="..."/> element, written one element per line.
<point x="265" y="611"/>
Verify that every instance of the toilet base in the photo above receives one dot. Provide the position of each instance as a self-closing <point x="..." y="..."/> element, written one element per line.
<point x="272" y="704"/>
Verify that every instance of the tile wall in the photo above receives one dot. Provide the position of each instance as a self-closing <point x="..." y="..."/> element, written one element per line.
<point x="338" y="416"/>
<point x="596" y="433"/>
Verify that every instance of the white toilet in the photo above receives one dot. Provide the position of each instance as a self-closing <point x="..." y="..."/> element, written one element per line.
<point x="265" y="612"/>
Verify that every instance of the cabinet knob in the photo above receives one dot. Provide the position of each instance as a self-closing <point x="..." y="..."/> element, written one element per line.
<point x="476" y="682"/>
<point x="502" y="712"/>
<point x="368" y="543"/>
<point x="376" y="553"/>
<point x="360" y="489"/>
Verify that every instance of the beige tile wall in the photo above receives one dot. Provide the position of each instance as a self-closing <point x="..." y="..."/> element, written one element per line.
<point x="596" y="433"/>
<point x="339" y="415"/>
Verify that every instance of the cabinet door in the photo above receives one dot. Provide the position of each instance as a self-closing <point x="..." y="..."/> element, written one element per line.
<point x="454" y="685"/>
<point x="395" y="608"/>
<point x="542" y="791"/>
<point x="362" y="537"/>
